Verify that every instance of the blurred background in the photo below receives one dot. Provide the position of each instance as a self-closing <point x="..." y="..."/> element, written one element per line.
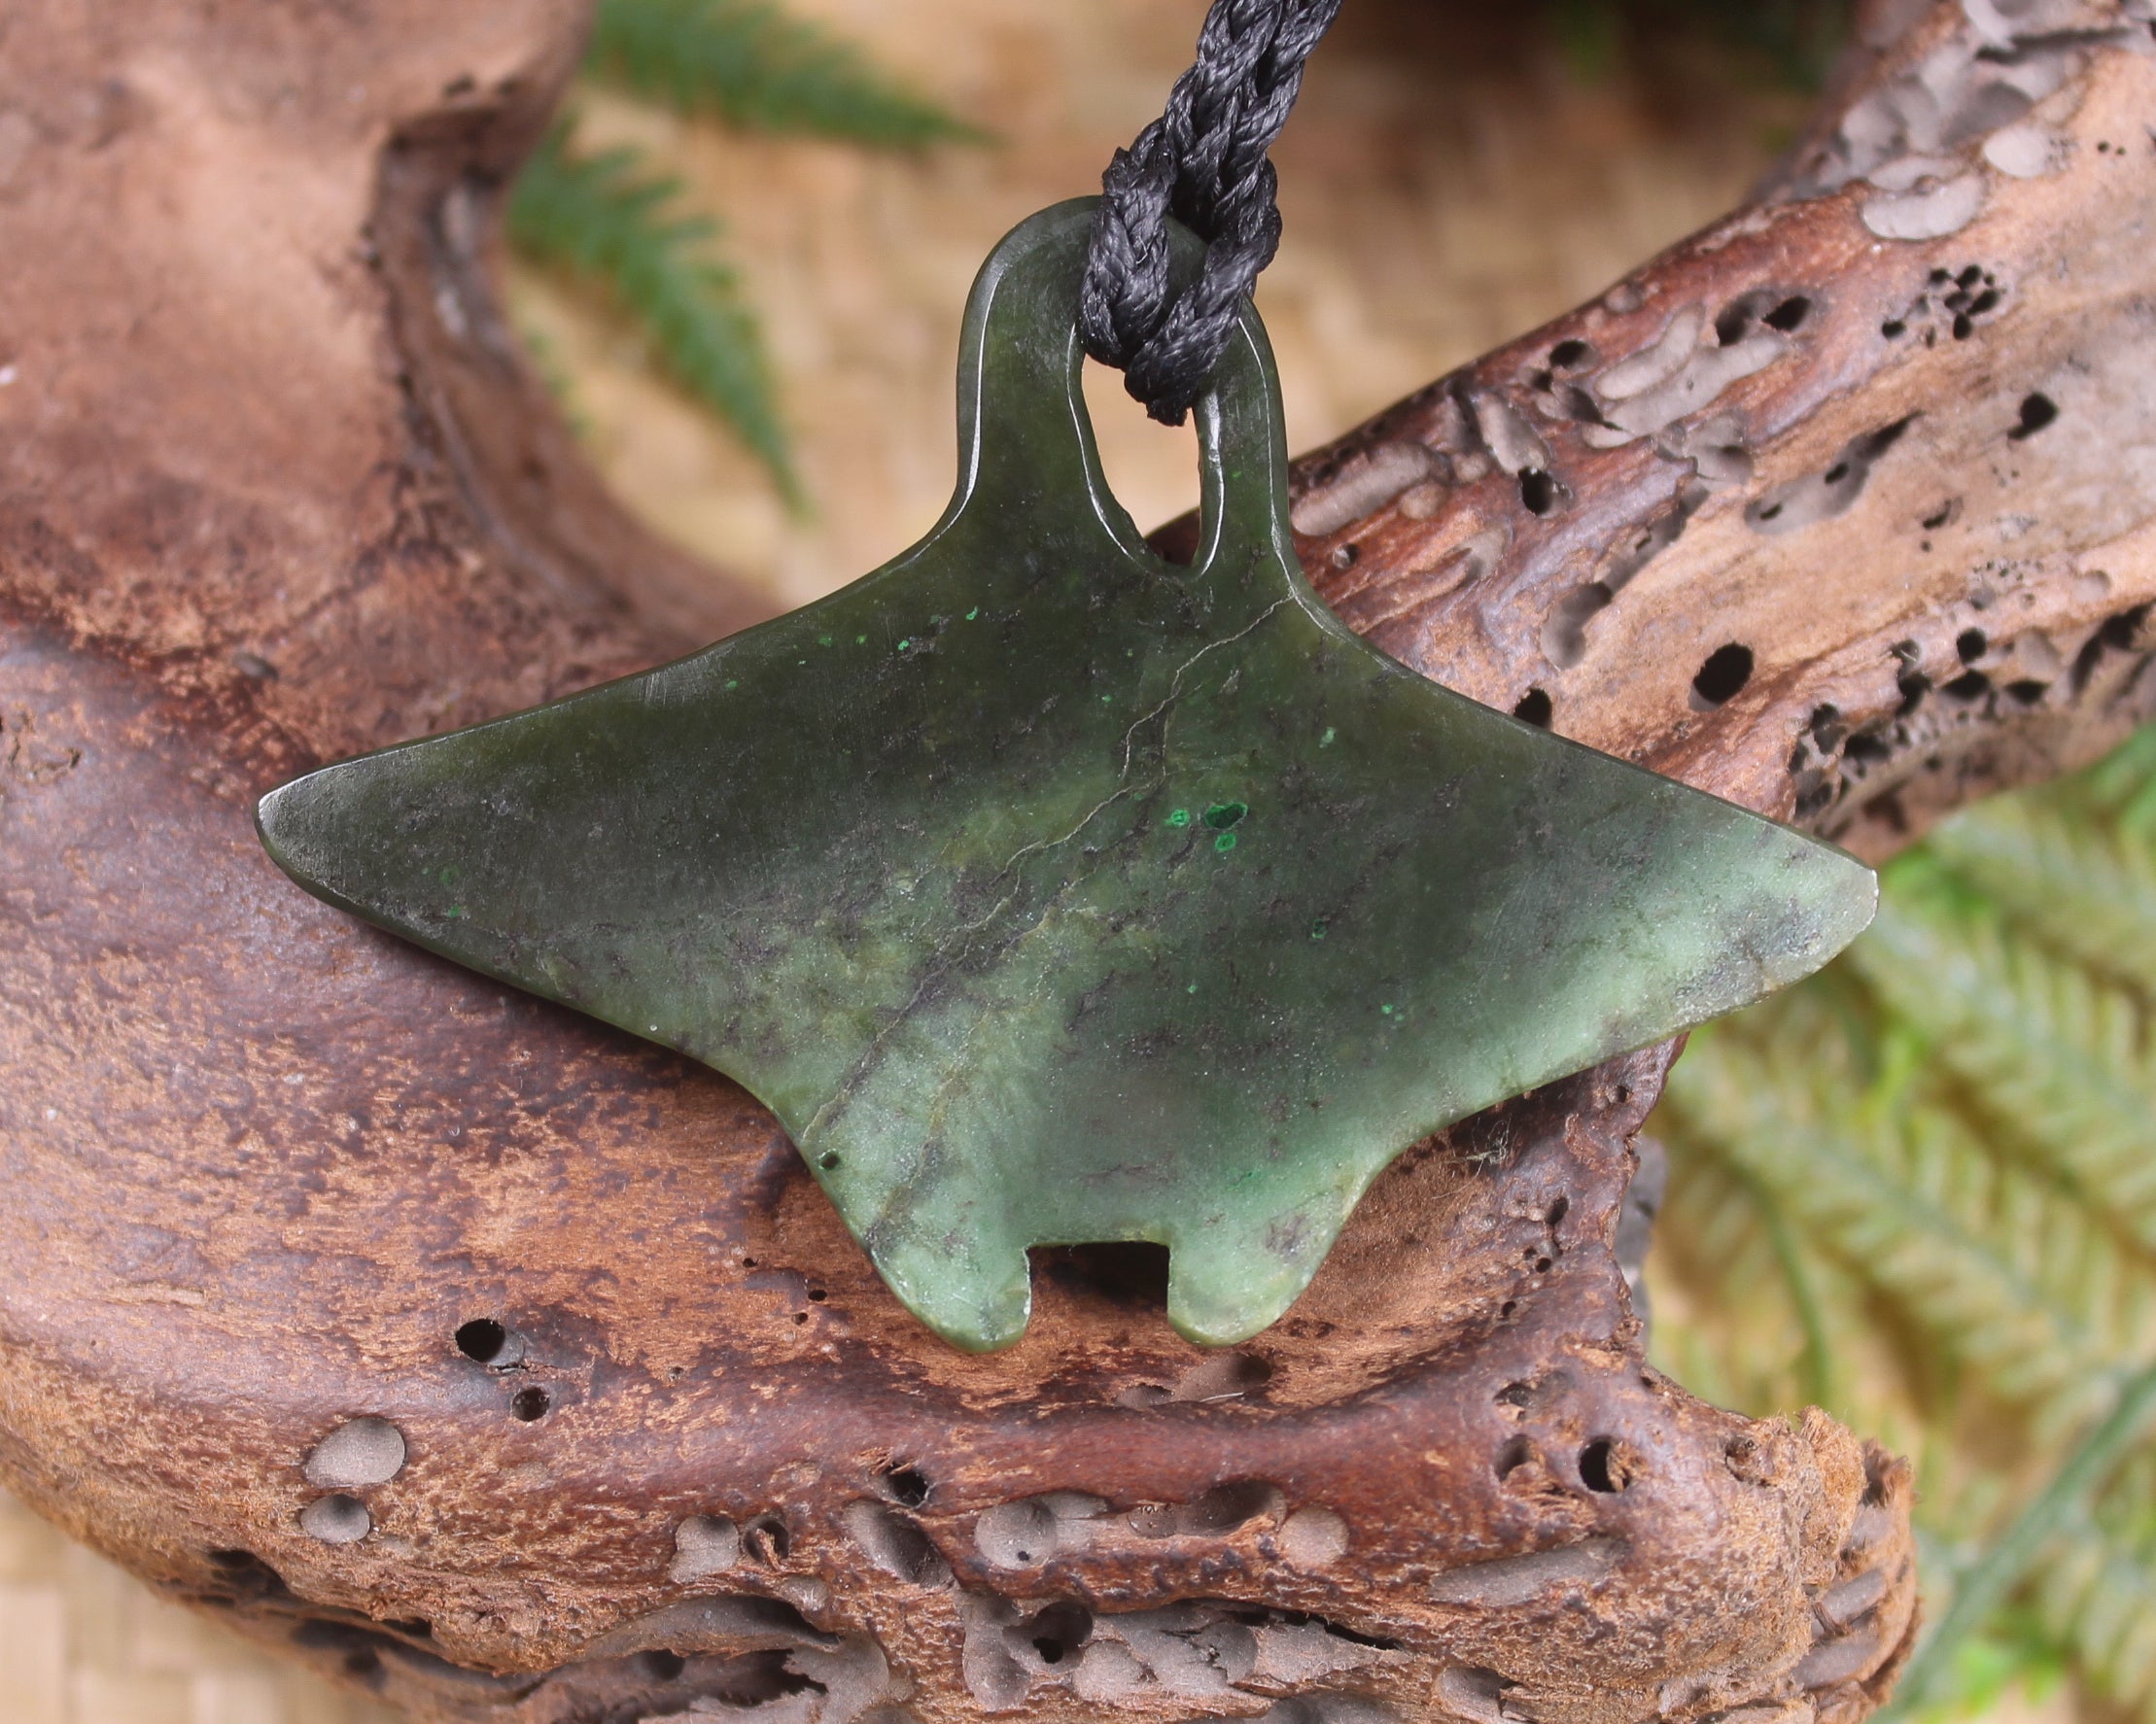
<point x="1920" y="1191"/>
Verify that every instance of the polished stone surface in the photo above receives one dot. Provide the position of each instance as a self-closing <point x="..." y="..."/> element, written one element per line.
<point x="1049" y="892"/>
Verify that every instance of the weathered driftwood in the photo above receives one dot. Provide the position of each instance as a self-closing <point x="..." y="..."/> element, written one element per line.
<point x="517" y="1370"/>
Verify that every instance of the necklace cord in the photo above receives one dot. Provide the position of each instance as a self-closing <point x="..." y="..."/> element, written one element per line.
<point x="1203" y="163"/>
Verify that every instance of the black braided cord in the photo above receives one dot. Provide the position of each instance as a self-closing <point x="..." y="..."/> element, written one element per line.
<point x="1203" y="163"/>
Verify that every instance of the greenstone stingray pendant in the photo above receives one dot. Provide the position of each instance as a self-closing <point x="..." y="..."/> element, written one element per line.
<point x="1052" y="893"/>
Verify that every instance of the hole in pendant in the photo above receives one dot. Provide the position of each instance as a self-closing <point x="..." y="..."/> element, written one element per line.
<point x="1151" y="467"/>
<point x="1223" y="814"/>
<point x="529" y="1404"/>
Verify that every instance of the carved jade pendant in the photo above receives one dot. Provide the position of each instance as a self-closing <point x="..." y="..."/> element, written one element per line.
<point x="1049" y="892"/>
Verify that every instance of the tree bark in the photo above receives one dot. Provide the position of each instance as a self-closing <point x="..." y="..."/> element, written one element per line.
<point x="1841" y="509"/>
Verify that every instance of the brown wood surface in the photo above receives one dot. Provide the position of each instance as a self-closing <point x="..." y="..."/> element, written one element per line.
<point x="275" y="486"/>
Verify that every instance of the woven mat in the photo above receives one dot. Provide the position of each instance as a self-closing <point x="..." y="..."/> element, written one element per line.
<point x="1441" y="194"/>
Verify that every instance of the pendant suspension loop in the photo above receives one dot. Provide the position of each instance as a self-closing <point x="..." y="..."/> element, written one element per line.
<point x="1203" y="163"/>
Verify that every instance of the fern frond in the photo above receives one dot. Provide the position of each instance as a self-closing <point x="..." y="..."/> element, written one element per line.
<point x="1714" y="1224"/>
<point x="2088" y="892"/>
<point x="2122" y="783"/>
<point x="747" y="63"/>
<point x="1793" y="1261"/>
<point x="2110" y="1621"/>
<point x="2054" y="1053"/>
<point x="1912" y="1203"/>
<point x="1963" y="1113"/>
<point x="2094" y="1588"/>
<point x="2130" y="1504"/>
<point x="604" y="220"/>
<point x="2015" y="1650"/>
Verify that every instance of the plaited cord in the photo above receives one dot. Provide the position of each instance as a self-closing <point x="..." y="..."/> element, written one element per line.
<point x="1203" y="163"/>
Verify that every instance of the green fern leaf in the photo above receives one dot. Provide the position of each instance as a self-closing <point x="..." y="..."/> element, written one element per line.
<point x="1909" y="1201"/>
<point x="2050" y="1538"/>
<point x="604" y="221"/>
<point x="2093" y="1587"/>
<point x="2055" y="1053"/>
<point x="2088" y="891"/>
<point x="2121" y="786"/>
<point x="1716" y="1225"/>
<point x="2015" y="1650"/>
<point x="1960" y="1118"/>
<point x="747" y="62"/>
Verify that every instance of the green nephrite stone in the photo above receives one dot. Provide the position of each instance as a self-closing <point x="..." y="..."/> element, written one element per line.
<point x="1051" y="893"/>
